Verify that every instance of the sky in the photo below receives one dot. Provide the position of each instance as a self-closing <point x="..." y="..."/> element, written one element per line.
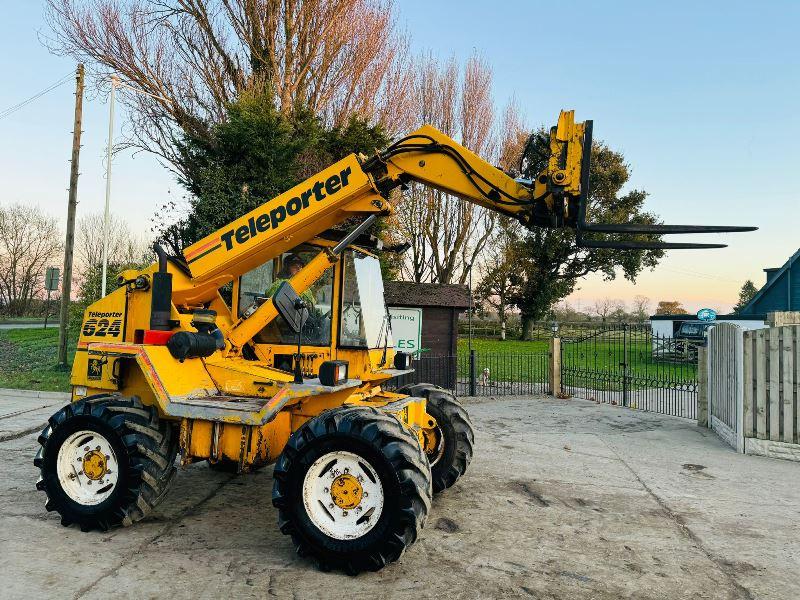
<point x="701" y="98"/>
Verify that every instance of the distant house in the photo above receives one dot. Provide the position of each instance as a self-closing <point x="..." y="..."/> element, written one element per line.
<point x="667" y="325"/>
<point x="781" y="292"/>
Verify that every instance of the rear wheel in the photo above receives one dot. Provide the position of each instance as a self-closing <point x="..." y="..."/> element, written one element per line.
<point x="105" y="461"/>
<point x="352" y="488"/>
<point x="448" y="446"/>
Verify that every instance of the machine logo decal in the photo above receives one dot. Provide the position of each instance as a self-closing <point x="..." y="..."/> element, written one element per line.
<point x="272" y="218"/>
<point x="102" y="324"/>
<point x="94" y="369"/>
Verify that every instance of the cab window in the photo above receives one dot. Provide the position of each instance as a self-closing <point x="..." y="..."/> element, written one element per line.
<point x="259" y="284"/>
<point x="364" y="319"/>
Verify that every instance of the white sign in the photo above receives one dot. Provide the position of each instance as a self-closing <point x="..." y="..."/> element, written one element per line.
<point x="406" y="329"/>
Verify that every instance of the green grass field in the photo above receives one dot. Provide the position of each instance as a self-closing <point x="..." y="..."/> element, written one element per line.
<point x="502" y="346"/>
<point x="585" y="363"/>
<point x="507" y="360"/>
<point x="28" y="360"/>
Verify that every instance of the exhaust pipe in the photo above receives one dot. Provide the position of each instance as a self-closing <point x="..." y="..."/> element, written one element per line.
<point x="161" y="294"/>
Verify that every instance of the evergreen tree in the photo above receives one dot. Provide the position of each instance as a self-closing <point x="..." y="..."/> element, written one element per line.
<point x="745" y="295"/>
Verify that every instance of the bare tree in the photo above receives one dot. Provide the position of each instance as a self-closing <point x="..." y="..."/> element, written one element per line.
<point x="29" y="243"/>
<point x="448" y="234"/>
<point x="124" y="247"/>
<point x="564" y="312"/>
<point x="497" y="270"/>
<point x="193" y="57"/>
<point x="641" y="308"/>
<point x="606" y="307"/>
<point x="513" y="136"/>
<point x="497" y="265"/>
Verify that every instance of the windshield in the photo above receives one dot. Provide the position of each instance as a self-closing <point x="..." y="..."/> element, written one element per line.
<point x="364" y="321"/>
<point x="692" y="329"/>
<point x="262" y="282"/>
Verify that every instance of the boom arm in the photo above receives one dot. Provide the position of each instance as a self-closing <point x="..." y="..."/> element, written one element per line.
<point x="558" y="197"/>
<point x="360" y="186"/>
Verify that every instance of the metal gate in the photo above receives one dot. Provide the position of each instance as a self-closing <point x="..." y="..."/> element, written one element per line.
<point x="725" y="383"/>
<point x="629" y="365"/>
<point x="482" y="373"/>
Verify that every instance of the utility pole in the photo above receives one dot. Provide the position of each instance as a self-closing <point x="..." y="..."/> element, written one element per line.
<point x="66" y="287"/>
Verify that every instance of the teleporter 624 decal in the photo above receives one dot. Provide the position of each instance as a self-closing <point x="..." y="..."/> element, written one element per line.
<point x="103" y="324"/>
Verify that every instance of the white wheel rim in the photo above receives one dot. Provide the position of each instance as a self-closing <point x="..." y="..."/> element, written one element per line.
<point x="331" y="495"/>
<point x="87" y="467"/>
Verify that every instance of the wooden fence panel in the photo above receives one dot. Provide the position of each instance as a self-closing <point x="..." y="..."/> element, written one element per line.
<point x="771" y="373"/>
<point x="761" y="385"/>
<point x="748" y="420"/>
<point x="774" y="424"/>
<point x="725" y="383"/>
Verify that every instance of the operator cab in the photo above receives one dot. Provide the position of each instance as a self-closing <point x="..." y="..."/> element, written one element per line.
<point x="347" y="311"/>
<point x="258" y="285"/>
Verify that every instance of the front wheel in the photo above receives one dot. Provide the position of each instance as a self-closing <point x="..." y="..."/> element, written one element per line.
<point x="352" y="488"/>
<point x="105" y="461"/>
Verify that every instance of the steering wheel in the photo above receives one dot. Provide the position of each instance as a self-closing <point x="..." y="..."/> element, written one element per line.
<point x="312" y="330"/>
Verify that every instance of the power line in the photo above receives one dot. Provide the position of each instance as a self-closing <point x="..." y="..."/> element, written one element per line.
<point x="699" y="274"/>
<point x="12" y="109"/>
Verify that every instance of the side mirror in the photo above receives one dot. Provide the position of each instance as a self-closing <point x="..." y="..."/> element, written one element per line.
<point x="290" y="306"/>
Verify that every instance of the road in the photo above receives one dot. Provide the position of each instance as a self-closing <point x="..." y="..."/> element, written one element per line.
<point x="565" y="499"/>
<point x="28" y="325"/>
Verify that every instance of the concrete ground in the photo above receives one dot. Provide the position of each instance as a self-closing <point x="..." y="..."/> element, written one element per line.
<point x="564" y="499"/>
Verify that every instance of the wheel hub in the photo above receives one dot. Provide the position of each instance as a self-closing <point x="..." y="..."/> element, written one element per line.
<point x="346" y="491"/>
<point x="95" y="465"/>
<point x="433" y="445"/>
<point x="343" y="495"/>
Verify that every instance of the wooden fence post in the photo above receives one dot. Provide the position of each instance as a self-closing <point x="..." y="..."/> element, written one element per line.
<point x="774" y="384"/>
<point x="748" y="400"/>
<point x="789" y="383"/>
<point x="739" y="369"/>
<point x="761" y="385"/>
<point x="555" y="366"/>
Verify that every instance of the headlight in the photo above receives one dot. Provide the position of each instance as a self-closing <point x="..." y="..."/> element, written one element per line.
<point x="333" y="372"/>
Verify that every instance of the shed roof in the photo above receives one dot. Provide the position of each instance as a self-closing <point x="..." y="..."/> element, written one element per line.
<point x="407" y="293"/>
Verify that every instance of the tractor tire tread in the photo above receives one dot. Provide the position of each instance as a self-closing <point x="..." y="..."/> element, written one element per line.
<point x="151" y="445"/>
<point x="385" y="434"/>
<point x="446" y="474"/>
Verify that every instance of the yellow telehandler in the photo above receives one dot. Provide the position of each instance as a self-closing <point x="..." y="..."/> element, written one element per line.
<point x="269" y="341"/>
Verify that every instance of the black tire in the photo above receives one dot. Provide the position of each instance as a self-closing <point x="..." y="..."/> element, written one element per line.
<point x="457" y="440"/>
<point x="145" y="448"/>
<point x="400" y="465"/>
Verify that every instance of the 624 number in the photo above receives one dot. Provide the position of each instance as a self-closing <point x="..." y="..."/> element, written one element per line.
<point x="102" y="327"/>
